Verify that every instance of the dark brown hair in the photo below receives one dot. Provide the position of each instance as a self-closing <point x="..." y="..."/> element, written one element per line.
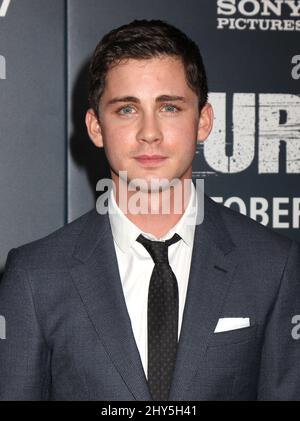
<point x="143" y="39"/>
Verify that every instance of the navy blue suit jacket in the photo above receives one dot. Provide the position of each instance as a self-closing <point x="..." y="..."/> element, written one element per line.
<point x="69" y="335"/>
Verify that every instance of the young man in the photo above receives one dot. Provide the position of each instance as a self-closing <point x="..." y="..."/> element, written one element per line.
<point x="133" y="305"/>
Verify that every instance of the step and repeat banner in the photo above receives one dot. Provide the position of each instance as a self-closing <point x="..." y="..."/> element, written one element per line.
<point x="32" y="120"/>
<point x="49" y="167"/>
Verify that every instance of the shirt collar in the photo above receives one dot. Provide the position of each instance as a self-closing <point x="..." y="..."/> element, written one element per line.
<point x="126" y="232"/>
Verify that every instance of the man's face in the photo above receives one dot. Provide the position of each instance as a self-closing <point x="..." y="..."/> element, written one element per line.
<point x="147" y="108"/>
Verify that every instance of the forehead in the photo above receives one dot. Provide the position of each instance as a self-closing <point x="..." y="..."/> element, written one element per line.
<point x="165" y="73"/>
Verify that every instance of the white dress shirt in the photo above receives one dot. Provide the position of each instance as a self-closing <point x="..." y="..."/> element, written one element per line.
<point x="136" y="265"/>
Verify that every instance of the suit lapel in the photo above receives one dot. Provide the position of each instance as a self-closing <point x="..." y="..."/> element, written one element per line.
<point x="212" y="267"/>
<point x="99" y="285"/>
<point x="96" y="277"/>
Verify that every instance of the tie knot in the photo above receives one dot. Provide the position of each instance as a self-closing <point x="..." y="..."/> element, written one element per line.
<point x="158" y="250"/>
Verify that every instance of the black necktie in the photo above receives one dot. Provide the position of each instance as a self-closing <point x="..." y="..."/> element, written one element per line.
<point x="162" y="318"/>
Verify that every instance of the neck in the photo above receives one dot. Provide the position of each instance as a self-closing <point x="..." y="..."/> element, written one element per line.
<point x="154" y="212"/>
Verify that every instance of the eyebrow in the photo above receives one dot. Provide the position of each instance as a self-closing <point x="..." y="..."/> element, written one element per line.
<point x="161" y="98"/>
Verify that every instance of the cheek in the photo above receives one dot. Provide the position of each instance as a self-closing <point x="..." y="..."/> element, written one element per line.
<point x="118" y="137"/>
<point x="181" y="137"/>
<point x="111" y="140"/>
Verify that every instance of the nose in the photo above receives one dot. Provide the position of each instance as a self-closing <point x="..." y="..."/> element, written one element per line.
<point x="149" y="129"/>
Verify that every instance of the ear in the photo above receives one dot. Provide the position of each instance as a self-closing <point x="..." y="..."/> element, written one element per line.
<point x="205" y="122"/>
<point x="94" y="128"/>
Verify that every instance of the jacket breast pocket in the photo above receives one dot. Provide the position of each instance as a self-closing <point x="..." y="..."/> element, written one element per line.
<point x="233" y="336"/>
<point x="234" y="348"/>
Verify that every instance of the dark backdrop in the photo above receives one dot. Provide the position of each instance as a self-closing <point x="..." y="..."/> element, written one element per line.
<point x="49" y="167"/>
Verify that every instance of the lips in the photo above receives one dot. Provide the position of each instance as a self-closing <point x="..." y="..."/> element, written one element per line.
<point x="150" y="159"/>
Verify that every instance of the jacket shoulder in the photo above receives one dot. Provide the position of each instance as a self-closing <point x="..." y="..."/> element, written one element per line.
<point x="246" y="232"/>
<point x="52" y="251"/>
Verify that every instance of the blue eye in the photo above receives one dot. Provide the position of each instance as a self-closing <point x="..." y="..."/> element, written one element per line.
<point x="171" y="108"/>
<point x="125" y="110"/>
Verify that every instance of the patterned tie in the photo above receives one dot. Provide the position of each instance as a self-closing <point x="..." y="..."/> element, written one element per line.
<point x="162" y="318"/>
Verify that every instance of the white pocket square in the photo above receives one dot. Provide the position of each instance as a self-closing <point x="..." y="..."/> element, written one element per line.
<point x="232" y="323"/>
